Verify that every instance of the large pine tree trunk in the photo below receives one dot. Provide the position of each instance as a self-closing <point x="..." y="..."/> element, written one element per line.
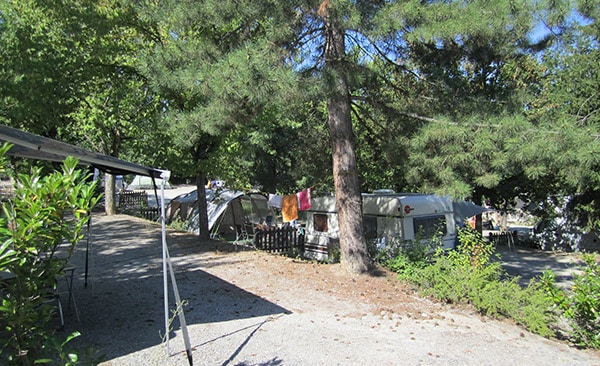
<point x="353" y="245"/>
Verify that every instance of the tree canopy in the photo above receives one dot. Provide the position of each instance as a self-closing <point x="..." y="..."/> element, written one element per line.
<point x="467" y="98"/>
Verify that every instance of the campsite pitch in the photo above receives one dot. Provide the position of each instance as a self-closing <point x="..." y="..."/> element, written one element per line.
<point x="251" y="308"/>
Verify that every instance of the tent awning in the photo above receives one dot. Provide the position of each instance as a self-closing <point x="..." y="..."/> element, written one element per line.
<point x="29" y="145"/>
<point x="465" y="209"/>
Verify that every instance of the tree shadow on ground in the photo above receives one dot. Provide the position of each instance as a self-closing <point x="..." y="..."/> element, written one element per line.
<point x="530" y="263"/>
<point x="122" y="308"/>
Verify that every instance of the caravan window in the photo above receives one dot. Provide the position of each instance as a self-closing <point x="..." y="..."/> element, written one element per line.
<point x="320" y="223"/>
<point x="429" y="226"/>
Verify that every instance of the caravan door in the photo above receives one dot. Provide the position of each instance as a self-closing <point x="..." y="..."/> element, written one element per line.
<point x="322" y="230"/>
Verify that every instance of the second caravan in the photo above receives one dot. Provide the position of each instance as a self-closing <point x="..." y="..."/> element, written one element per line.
<point x="387" y="218"/>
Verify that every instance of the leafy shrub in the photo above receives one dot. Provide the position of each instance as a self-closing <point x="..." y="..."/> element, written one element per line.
<point x="403" y="257"/>
<point x="178" y="224"/>
<point x="527" y="306"/>
<point x="584" y="308"/>
<point x="41" y="225"/>
<point x="580" y="305"/>
<point x="403" y="265"/>
<point x="470" y="275"/>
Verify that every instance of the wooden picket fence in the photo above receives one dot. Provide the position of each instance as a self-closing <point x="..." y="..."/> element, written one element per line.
<point x="133" y="199"/>
<point x="287" y="240"/>
<point x="150" y="213"/>
<point x="508" y="238"/>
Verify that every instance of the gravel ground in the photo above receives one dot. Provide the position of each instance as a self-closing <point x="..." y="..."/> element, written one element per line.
<point x="251" y="308"/>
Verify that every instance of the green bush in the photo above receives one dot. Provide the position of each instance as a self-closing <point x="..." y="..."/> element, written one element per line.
<point x="469" y="275"/>
<point x="40" y="226"/>
<point x="581" y="304"/>
<point x="529" y="306"/>
<point x="404" y="257"/>
<point x="584" y="304"/>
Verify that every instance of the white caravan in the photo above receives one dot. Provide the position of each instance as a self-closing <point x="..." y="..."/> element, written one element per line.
<point x="387" y="218"/>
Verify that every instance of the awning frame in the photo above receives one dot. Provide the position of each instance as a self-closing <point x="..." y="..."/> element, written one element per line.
<point x="32" y="146"/>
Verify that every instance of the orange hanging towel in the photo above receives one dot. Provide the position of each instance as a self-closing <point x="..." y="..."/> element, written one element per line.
<point x="289" y="207"/>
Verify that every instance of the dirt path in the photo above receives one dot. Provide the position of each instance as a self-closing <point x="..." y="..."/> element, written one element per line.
<point x="251" y="308"/>
<point x="528" y="263"/>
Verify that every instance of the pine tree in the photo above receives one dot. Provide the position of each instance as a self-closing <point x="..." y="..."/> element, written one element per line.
<point x="218" y="65"/>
